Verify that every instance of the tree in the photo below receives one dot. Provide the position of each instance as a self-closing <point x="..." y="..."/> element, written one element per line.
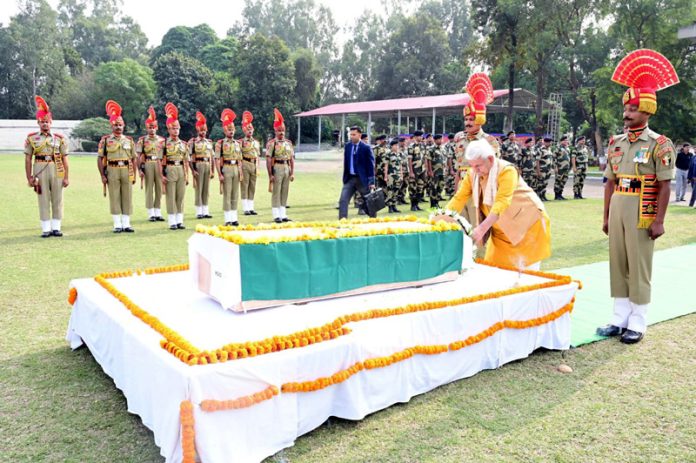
<point x="77" y="98"/>
<point x="221" y="55"/>
<point x="189" y="41"/>
<point x="267" y="76"/>
<point x="128" y="82"/>
<point x="307" y="75"/>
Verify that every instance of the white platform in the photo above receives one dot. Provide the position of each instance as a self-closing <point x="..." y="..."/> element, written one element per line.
<point x="155" y="382"/>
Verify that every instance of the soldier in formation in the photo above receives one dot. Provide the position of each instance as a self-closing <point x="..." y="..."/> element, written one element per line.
<point x="393" y="175"/>
<point x="435" y="165"/>
<point x="150" y="149"/>
<point x="562" y="167"/>
<point x="228" y="155"/>
<point x="251" y="150"/>
<point x="280" y="156"/>
<point x="200" y="150"/>
<point x="544" y="166"/>
<point x="510" y="150"/>
<point x="176" y="163"/>
<point x="579" y="158"/>
<point x="527" y="163"/>
<point x="416" y="170"/>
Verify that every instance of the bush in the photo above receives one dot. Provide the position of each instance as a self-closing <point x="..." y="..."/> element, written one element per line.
<point x="92" y="129"/>
<point x="89" y="146"/>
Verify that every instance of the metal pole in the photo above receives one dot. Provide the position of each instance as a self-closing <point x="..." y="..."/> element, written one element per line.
<point x="408" y="124"/>
<point x="319" y="137"/>
<point x="298" y="134"/>
<point x="369" y="127"/>
<point x="343" y="129"/>
<point x="398" y="130"/>
<point x="443" y="124"/>
<point x="433" y="125"/>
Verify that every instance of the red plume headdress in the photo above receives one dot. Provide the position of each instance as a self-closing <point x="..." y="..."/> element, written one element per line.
<point x="645" y="72"/>
<point x="151" y="120"/>
<point x="42" y="109"/>
<point x="172" y="113"/>
<point x="113" y="110"/>
<point x="247" y="117"/>
<point x="278" y="121"/>
<point x="227" y="117"/>
<point x="200" y="120"/>
<point x="480" y="90"/>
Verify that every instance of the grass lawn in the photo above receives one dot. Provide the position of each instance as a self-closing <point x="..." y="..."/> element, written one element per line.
<point x="57" y="405"/>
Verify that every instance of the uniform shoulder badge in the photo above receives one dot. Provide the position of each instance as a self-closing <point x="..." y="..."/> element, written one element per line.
<point x="32" y="134"/>
<point x="58" y="135"/>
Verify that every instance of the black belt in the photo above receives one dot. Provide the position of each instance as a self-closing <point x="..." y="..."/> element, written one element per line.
<point x="152" y="158"/>
<point x="250" y="159"/>
<point x="118" y="163"/>
<point x="46" y="158"/>
<point x="175" y="163"/>
<point x="279" y="161"/>
<point x="229" y="162"/>
<point x="204" y="159"/>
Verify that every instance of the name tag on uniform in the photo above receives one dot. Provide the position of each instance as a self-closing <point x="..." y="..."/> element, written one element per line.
<point x="625" y="182"/>
<point x="641" y="155"/>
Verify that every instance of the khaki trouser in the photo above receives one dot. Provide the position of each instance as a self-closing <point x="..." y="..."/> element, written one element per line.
<point x="249" y="180"/>
<point x="51" y="197"/>
<point x="153" y="185"/>
<point x="630" y="251"/>
<point x="281" y="185"/>
<point x="176" y="189"/>
<point x="202" y="183"/>
<point x="230" y="187"/>
<point x="120" y="190"/>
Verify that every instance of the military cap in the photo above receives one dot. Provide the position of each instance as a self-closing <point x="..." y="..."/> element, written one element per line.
<point x="581" y="137"/>
<point x="450" y="136"/>
<point x="402" y="139"/>
<point x="548" y="139"/>
<point x="437" y="136"/>
<point x="418" y="133"/>
<point x="511" y="132"/>
<point x="363" y="136"/>
<point x="564" y="138"/>
<point x="427" y="135"/>
<point x="394" y="142"/>
<point x="380" y="137"/>
<point x="529" y="140"/>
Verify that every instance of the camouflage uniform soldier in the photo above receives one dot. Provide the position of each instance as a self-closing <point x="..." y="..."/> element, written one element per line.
<point x="435" y="165"/>
<point x="510" y="151"/>
<point x="416" y="170"/>
<point x="394" y="174"/>
<point x="251" y="150"/>
<point x="403" y="152"/>
<point x="527" y="164"/>
<point x="381" y="152"/>
<point x="117" y="162"/>
<point x="449" y="165"/>
<point x="562" y="167"/>
<point x="200" y="150"/>
<point x="176" y="161"/>
<point x="637" y="191"/>
<point x="544" y="166"/>
<point x="579" y="159"/>
<point x="280" y="154"/>
<point x="150" y="149"/>
<point x="228" y="154"/>
<point x="49" y="173"/>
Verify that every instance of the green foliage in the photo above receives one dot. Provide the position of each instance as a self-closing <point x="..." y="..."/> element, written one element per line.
<point x="307" y="75"/>
<point x="89" y="146"/>
<point x="77" y="98"/>
<point x="92" y="129"/>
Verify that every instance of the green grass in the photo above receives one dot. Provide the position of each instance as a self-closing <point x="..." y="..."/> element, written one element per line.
<point x="58" y="406"/>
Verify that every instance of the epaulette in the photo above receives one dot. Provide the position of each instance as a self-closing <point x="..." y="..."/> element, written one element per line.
<point x="105" y="137"/>
<point x="57" y="135"/>
<point x="129" y="137"/>
<point x="618" y="138"/>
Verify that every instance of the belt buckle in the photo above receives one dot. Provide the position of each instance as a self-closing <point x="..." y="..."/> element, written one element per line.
<point x="121" y="163"/>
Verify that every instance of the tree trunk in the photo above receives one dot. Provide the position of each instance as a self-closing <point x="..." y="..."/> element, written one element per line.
<point x="511" y="83"/>
<point x="540" y="76"/>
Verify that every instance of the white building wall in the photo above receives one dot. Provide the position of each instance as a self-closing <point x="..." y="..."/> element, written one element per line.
<point x="14" y="132"/>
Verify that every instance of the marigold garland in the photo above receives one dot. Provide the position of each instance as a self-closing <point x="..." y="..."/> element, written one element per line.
<point x="177" y="345"/>
<point x="188" y="446"/>
<point x="72" y="296"/>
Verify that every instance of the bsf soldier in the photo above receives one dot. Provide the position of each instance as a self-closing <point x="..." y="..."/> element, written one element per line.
<point x="176" y="162"/>
<point x="46" y="168"/>
<point x="449" y="165"/>
<point x="579" y="159"/>
<point x="117" y="162"/>
<point x="417" y="175"/>
<point x="200" y="151"/>
<point x="279" y="152"/>
<point x="510" y="151"/>
<point x="562" y="167"/>
<point x="251" y="150"/>
<point x="381" y="152"/>
<point x="435" y="164"/>
<point x="228" y="153"/>
<point x="527" y="163"/>
<point x="543" y="167"/>
<point x="403" y="152"/>
<point x="393" y="175"/>
<point x="640" y="168"/>
<point x="149" y="149"/>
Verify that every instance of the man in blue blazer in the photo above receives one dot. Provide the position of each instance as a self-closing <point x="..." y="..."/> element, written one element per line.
<point x="358" y="170"/>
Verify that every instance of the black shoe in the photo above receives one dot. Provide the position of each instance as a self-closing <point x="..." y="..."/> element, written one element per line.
<point x="118" y="230"/>
<point x="361" y="212"/>
<point x="173" y="227"/>
<point x="129" y="230"/>
<point x="228" y="224"/>
<point x="402" y="201"/>
<point x="253" y="213"/>
<point x="180" y="226"/>
<point x="414" y="207"/>
<point x="46" y="235"/>
<point x="234" y="224"/>
<point x="580" y="196"/>
<point x="396" y="210"/>
<point x="207" y="216"/>
<point x="558" y="197"/>
<point x="434" y="204"/>
<point x="286" y="220"/>
<point x="159" y="219"/>
<point x="247" y="213"/>
<point x="278" y="220"/>
<point x="609" y="330"/>
<point x="543" y="196"/>
<point x="391" y="209"/>
<point x="152" y="219"/>
<point x="57" y="233"/>
<point x="631" y="337"/>
<point x="418" y="208"/>
<point x="199" y="216"/>
<point x="287" y="207"/>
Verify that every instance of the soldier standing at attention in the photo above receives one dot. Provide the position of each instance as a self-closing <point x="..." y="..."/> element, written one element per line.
<point x="149" y="149"/>
<point x="251" y="150"/>
<point x="177" y="165"/>
<point x="544" y="165"/>
<point x="562" y="167"/>
<point x="579" y="159"/>
<point x="435" y="164"/>
<point x="527" y="163"/>
<point x="200" y="150"/>
<point x="403" y="152"/>
<point x="381" y="152"/>
<point x="228" y="153"/>
<point x="636" y="194"/>
<point x="449" y="165"/>
<point x="117" y="163"/>
<point x="416" y="170"/>
<point x="393" y="174"/>
<point x="280" y="153"/>
<point x="49" y="173"/>
<point x="510" y="151"/>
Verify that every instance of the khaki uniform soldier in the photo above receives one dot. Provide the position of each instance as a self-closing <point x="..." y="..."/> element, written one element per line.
<point x="544" y="166"/>
<point x="393" y="175"/>
<point x="510" y="151"/>
<point x="449" y="166"/>
<point x="381" y="152"/>
<point x="562" y="167"/>
<point x="176" y="163"/>
<point x="279" y="152"/>
<point x="417" y="175"/>
<point x="639" y="172"/>
<point x="435" y="164"/>
<point x="200" y="151"/>
<point x="228" y="154"/>
<point x="251" y="150"/>
<point x="46" y="168"/>
<point x="403" y="152"/>
<point x="579" y="158"/>
<point x="117" y="162"/>
<point x="527" y="163"/>
<point x="149" y="149"/>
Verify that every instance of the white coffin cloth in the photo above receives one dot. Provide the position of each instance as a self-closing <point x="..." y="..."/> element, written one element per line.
<point x="155" y="382"/>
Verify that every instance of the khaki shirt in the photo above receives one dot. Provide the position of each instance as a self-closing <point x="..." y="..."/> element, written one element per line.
<point x="176" y="150"/>
<point x="38" y="144"/>
<point x="200" y="148"/>
<point x="460" y="161"/>
<point x="280" y="150"/>
<point x="228" y="149"/>
<point x="115" y="148"/>
<point x="151" y="147"/>
<point x="650" y="154"/>
<point x="251" y="148"/>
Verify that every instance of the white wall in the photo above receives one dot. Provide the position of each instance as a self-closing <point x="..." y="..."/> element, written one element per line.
<point x="14" y="132"/>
